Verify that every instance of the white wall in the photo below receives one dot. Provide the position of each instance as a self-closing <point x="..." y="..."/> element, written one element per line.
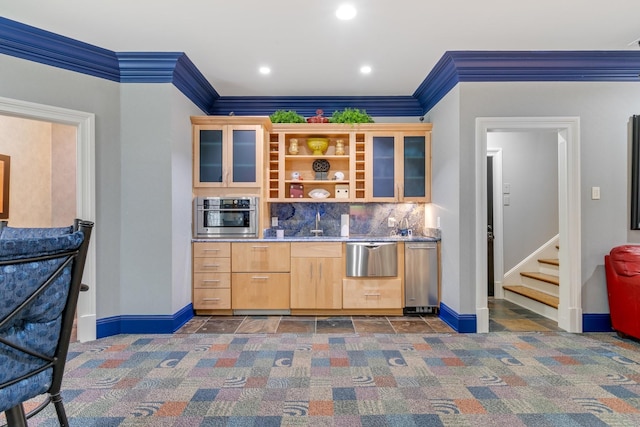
<point x="530" y="167"/>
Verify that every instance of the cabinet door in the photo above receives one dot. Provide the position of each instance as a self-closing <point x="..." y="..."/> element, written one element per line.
<point x="372" y="293"/>
<point x="329" y="283"/>
<point x="383" y="168"/>
<point x="416" y="168"/>
<point x="209" y="154"/>
<point x="244" y="142"/>
<point x="303" y="282"/>
<point x="260" y="291"/>
<point x="227" y="155"/>
<point x="260" y="256"/>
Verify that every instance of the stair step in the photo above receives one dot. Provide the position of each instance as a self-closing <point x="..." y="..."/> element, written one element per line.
<point x="535" y="295"/>
<point x="548" y="278"/>
<point x="550" y="261"/>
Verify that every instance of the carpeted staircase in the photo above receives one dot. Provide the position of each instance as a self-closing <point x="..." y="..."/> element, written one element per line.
<point x="538" y="290"/>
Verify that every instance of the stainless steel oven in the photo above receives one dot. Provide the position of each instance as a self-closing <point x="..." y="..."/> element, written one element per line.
<point x="225" y="217"/>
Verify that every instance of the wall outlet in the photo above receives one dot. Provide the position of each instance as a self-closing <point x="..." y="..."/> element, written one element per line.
<point x="274" y="221"/>
<point x="391" y="222"/>
<point x="437" y="222"/>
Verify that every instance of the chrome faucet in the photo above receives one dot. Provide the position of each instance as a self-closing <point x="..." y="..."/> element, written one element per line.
<point x="317" y="231"/>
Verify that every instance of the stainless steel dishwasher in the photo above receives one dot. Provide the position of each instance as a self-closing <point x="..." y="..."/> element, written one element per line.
<point x="421" y="277"/>
<point x="372" y="259"/>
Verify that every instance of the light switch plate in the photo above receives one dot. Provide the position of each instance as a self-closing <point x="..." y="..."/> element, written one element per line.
<point x="274" y="221"/>
<point x="506" y="188"/>
<point x="506" y="200"/>
<point x="595" y="193"/>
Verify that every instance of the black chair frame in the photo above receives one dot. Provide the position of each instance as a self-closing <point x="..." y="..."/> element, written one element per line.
<point x="16" y="416"/>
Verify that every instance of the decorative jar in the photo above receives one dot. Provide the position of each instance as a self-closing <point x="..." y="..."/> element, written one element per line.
<point x="293" y="146"/>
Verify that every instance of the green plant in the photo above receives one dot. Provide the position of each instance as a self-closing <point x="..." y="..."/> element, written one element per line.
<point x="286" y="116"/>
<point x="350" y="115"/>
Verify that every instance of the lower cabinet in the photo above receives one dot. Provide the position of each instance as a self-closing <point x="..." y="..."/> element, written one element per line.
<point x="260" y="291"/>
<point x="260" y="275"/>
<point x="372" y="293"/>
<point x="211" y="282"/>
<point x="316" y="275"/>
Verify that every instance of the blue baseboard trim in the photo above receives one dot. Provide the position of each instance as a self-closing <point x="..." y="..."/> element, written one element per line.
<point x="143" y="324"/>
<point x="462" y="323"/>
<point x="596" y="322"/>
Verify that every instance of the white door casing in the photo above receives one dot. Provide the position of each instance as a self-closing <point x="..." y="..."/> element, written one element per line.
<point x="568" y="128"/>
<point x="85" y="193"/>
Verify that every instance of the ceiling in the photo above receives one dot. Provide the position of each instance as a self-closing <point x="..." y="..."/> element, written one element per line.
<point x="312" y="53"/>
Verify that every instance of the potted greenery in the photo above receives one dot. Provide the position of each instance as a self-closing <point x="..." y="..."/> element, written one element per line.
<point x="286" y="116"/>
<point x="350" y="115"/>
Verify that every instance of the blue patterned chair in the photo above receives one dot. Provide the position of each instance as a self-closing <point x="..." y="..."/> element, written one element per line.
<point x="40" y="279"/>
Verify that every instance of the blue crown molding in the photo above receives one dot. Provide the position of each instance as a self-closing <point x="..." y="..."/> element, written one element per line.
<point x="168" y="67"/>
<point x="307" y="105"/>
<point x="33" y="44"/>
<point x="520" y="66"/>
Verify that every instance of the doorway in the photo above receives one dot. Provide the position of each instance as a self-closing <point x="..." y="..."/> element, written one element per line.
<point x="569" y="310"/>
<point x="85" y="190"/>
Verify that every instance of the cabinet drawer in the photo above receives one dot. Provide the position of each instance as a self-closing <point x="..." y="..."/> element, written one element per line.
<point x="203" y="265"/>
<point x="261" y="257"/>
<point x="211" y="249"/>
<point x="372" y="293"/>
<point x="211" y="280"/>
<point x="260" y="290"/>
<point x="316" y="250"/>
<point x="212" y="299"/>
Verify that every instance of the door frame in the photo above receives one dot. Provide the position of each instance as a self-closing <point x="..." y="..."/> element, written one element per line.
<point x="498" y="224"/>
<point x="568" y="128"/>
<point x="85" y="190"/>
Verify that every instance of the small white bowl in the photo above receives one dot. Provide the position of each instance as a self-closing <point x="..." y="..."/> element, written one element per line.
<point x="319" y="193"/>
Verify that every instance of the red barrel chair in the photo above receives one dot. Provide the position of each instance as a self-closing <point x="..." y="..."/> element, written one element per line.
<point x="622" y="267"/>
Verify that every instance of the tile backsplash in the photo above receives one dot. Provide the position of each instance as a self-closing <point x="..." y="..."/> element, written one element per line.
<point x="365" y="219"/>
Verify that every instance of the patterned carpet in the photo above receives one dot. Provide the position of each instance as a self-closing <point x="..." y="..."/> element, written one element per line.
<point x="496" y="379"/>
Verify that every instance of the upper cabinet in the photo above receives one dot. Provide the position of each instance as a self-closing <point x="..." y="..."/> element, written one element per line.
<point x="399" y="166"/>
<point x="362" y="162"/>
<point x="228" y="151"/>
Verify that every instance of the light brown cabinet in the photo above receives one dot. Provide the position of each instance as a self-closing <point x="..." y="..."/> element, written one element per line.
<point x="228" y="151"/>
<point x="316" y="275"/>
<point x="398" y="165"/>
<point x="211" y="282"/>
<point x="260" y="275"/>
<point x="403" y="165"/>
<point x="261" y="256"/>
<point x="372" y="293"/>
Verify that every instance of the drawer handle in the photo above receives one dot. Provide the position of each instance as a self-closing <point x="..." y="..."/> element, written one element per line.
<point x="210" y="280"/>
<point x="210" y="299"/>
<point x="211" y="265"/>
<point x="260" y="278"/>
<point x="211" y="250"/>
<point x="259" y="247"/>
<point x="372" y="295"/>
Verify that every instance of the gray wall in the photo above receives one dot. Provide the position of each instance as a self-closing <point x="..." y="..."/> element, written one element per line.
<point x="530" y="167"/>
<point x="604" y="110"/>
<point x="143" y="182"/>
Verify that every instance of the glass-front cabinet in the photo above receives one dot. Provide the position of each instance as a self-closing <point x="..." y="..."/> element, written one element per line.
<point x="227" y="151"/>
<point x="399" y="166"/>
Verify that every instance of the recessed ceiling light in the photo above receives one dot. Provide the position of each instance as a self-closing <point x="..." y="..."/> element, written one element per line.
<point x="265" y="70"/>
<point x="365" y="69"/>
<point x="346" y="12"/>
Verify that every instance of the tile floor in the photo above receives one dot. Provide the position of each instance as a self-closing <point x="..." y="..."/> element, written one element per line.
<point x="504" y="316"/>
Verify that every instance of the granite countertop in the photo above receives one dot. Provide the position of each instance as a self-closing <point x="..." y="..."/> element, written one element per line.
<point x="325" y="239"/>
